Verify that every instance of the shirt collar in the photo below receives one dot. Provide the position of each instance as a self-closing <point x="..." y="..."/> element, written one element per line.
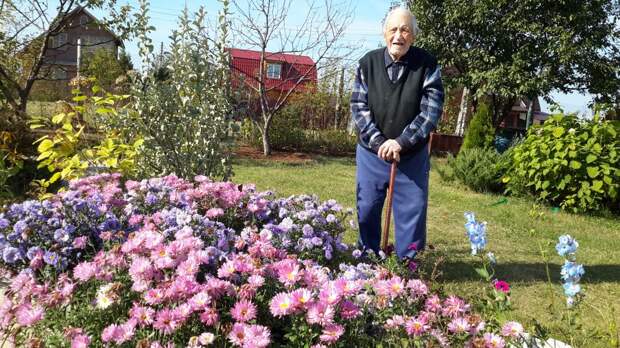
<point x="388" y="59"/>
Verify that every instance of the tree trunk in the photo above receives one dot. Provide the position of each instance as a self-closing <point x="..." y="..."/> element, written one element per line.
<point x="462" y="117"/>
<point x="530" y="113"/>
<point x="339" y="99"/>
<point x="265" y="133"/>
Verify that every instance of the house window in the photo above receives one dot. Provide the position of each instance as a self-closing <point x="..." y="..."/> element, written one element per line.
<point x="274" y="71"/>
<point x="59" y="73"/>
<point x="58" y="40"/>
<point x="83" y="20"/>
<point x="522" y="120"/>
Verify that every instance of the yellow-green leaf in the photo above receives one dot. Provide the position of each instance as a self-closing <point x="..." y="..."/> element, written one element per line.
<point x="79" y="98"/>
<point x="592" y="172"/>
<point x="558" y="131"/>
<point x="58" y="118"/>
<point x="45" y="145"/>
<point x="54" y="178"/>
<point x="597" y="185"/>
<point x="591" y="158"/>
<point x="575" y="164"/>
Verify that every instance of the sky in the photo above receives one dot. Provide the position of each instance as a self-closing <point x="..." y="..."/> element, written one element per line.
<point x="364" y="31"/>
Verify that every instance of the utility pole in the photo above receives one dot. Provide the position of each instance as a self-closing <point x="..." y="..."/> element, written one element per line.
<point x="79" y="56"/>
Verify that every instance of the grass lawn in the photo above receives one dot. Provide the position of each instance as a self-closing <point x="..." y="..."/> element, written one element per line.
<point x="517" y="232"/>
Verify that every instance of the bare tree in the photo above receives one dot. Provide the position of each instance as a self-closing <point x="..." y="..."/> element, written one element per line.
<point x="27" y="27"/>
<point x="266" y="26"/>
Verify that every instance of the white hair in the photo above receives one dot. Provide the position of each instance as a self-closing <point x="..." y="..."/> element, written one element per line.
<point x="403" y="10"/>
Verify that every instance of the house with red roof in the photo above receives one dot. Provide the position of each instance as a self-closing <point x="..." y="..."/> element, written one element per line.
<point x="283" y="72"/>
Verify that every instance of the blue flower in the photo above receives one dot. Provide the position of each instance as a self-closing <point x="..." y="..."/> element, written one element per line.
<point x="4" y="223"/>
<point x="572" y="271"/>
<point x="32" y="252"/>
<point x="11" y="255"/>
<point x="571" y="289"/>
<point x="20" y="226"/>
<point x="476" y="231"/>
<point x="51" y="258"/>
<point x="567" y="245"/>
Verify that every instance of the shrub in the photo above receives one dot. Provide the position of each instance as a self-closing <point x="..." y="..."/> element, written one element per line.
<point x="480" y="132"/>
<point x="183" y="263"/>
<point x="80" y="141"/>
<point x="184" y="115"/>
<point x="479" y="169"/>
<point x="570" y="162"/>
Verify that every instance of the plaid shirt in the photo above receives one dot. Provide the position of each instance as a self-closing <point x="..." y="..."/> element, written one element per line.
<point x="419" y="129"/>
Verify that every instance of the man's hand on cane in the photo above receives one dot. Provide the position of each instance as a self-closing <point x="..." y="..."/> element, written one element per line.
<point x="390" y="150"/>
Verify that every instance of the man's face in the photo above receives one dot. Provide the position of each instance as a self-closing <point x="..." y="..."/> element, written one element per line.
<point x="398" y="34"/>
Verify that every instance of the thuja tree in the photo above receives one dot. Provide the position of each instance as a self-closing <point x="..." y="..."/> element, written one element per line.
<point x="184" y="118"/>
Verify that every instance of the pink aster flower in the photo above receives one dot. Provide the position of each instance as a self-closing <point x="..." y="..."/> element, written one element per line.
<point x="416" y="326"/>
<point x="200" y="301"/>
<point x="454" y="306"/>
<point x="80" y="242"/>
<point x="110" y="333"/>
<point x="301" y="298"/>
<point x="512" y="329"/>
<point x="417" y="288"/>
<point x="214" y="213"/>
<point x="80" y="341"/>
<point x="331" y="333"/>
<point x="458" y="325"/>
<point x="492" y="340"/>
<point x="331" y="294"/>
<point x="154" y="296"/>
<point x="256" y="281"/>
<point x="238" y="334"/>
<point x="243" y="311"/>
<point x="320" y="313"/>
<point x="142" y="315"/>
<point x="395" y="322"/>
<point x="84" y="271"/>
<point x="432" y="304"/>
<point x="349" y="310"/>
<point x="26" y="315"/>
<point x="257" y="336"/>
<point x="281" y="305"/>
<point x="165" y="321"/>
<point x="209" y="317"/>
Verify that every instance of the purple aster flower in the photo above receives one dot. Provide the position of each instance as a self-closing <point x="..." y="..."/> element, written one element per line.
<point x="10" y="255"/>
<point x="307" y="230"/>
<point x="317" y="241"/>
<point x="331" y="218"/>
<point x="4" y="223"/>
<point x="51" y="258"/>
<point x="150" y="198"/>
<point x="61" y="236"/>
<point x="20" y="226"/>
<point x="33" y="252"/>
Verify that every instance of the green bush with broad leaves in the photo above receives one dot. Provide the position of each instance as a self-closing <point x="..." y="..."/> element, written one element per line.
<point x="78" y="139"/>
<point x="569" y="162"/>
<point x="480" y="169"/>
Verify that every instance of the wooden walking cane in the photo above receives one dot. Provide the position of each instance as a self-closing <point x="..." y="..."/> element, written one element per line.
<point x="388" y="212"/>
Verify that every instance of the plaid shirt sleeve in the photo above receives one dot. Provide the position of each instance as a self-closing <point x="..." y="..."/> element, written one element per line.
<point x="431" y="108"/>
<point x="369" y="135"/>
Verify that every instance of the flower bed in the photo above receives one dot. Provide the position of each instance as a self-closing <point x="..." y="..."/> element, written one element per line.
<point x="167" y="262"/>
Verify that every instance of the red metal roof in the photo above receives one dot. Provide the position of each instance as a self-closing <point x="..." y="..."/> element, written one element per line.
<point x="245" y="65"/>
<point x="277" y="57"/>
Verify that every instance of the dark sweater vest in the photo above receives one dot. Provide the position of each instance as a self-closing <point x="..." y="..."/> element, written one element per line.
<point x="393" y="106"/>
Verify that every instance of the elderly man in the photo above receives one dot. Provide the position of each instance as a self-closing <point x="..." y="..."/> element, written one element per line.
<point x="397" y="101"/>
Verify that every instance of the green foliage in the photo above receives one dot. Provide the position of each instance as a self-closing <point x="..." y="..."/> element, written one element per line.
<point x="285" y="136"/>
<point x="185" y="119"/>
<point x="523" y="48"/>
<point x="103" y="65"/>
<point x="480" y="132"/>
<point x="79" y="140"/>
<point x="569" y="162"/>
<point x="477" y="168"/>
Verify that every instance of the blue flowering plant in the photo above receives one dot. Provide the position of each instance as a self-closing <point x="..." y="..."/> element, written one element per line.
<point x="497" y="294"/>
<point x="572" y="271"/>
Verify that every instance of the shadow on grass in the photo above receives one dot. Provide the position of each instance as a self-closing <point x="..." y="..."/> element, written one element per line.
<point x="529" y="272"/>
